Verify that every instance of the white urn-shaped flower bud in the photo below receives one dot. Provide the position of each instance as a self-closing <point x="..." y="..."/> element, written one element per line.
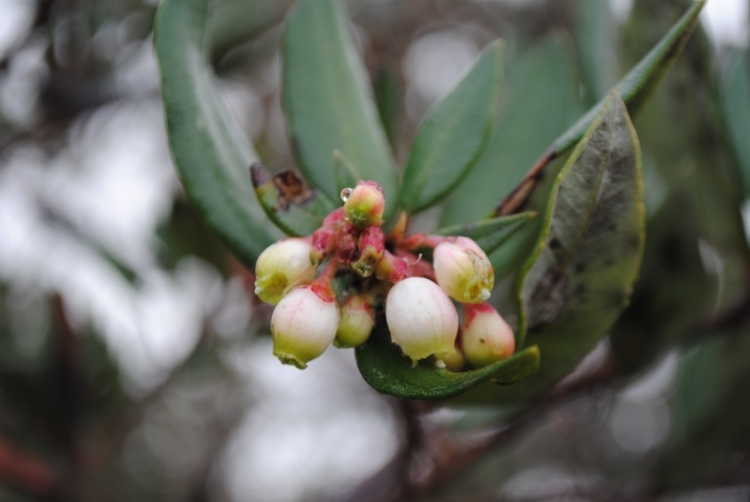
<point x="485" y="336"/>
<point x="356" y="323"/>
<point x="463" y="270"/>
<point x="304" y="323"/>
<point x="281" y="267"/>
<point x="421" y="318"/>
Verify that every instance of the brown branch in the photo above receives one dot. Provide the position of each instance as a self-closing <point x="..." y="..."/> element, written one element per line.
<point x="519" y="195"/>
<point x="27" y="471"/>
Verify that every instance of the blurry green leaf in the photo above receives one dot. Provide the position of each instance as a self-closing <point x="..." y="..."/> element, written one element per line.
<point x="532" y="113"/>
<point x="231" y="22"/>
<point x="736" y="108"/>
<point x="580" y="277"/>
<point x="328" y="102"/>
<point x="683" y="129"/>
<point x="454" y="134"/>
<point x="288" y="202"/>
<point x="596" y="36"/>
<point x="208" y="148"/>
<point x="490" y="234"/>
<point x="636" y="87"/>
<point x="388" y="371"/>
<point x="674" y="291"/>
<point x="710" y="437"/>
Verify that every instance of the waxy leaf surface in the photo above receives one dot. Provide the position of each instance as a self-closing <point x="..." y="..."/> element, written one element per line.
<point x="211" y="154"/>
<point x="328" y="101"/>
<point x="453" y="135"/>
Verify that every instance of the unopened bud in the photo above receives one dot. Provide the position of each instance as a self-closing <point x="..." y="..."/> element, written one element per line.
<point x="421" y="318"/>
<point x="454" y="362"/>
<point x="304" y="324"/>
<point x="463" y="270"/>
<point x="365" y="204"/>
<point x="357" y="321"/>
<point x="392" y="268"/>
<point x="371" y="249"/>
<point x="323" y="244"/>
<point x="485" y="336"/>
<point x="281" y="267"/>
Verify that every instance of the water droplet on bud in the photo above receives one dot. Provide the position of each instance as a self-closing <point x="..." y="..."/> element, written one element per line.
<point x="345" y="193"/>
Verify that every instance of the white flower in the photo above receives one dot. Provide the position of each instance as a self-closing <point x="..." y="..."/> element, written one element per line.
<point x="463" y="270"/>
<point x="485" y="336"/>
<point x="304" y="324"/>
<point x="421" y="318"/>
<point x="281" y="267"/>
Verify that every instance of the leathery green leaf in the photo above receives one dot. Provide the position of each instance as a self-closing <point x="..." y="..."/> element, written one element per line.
<point x="388" y="371"/>
<point x="453" y="135"/>
<point x="643" y="79"/>
<point x="490" y="234"/>
<point x="289" y="202"/>
<point x="581" y="274"/>
<point x="328" y="101"/>
<point x="209" y="150"/>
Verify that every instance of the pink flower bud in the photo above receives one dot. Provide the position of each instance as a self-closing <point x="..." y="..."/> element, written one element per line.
<point x="463" y="270"/>
<point x="303" y="324"/>
<point x="357" y="321"/>
<point x="323" y="244"/>
<point x="365" y="204"/>
<point x="371" y="249"/>
<point x="485" y="336"/>
<point x="281" y="267"/>
<point x="421" y="318"/>
<point x="392" y="268"/>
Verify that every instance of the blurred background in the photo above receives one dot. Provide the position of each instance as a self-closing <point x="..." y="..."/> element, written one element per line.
<point x="135" y="363"/>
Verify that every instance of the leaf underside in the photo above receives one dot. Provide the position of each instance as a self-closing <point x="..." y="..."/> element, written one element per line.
<point x="388" y="371"/>
<point x="490" y="234"/>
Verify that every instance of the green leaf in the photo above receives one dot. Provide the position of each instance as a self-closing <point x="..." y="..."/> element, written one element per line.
<point x="642" y="80"/>
<point x="231" y="22"/>
<point x="454" y="134"/>
<point x="580" y="277"/>
<point x="209" y="150"/>
<point x="597" y="38"/>
<point x="532" y="114"/>
<point x="492" y="233"/>
<point x="388" y="371"/>
<point x="288" y="202"/>
<point x="328" y="101"/>
<point x="736" y="107"/>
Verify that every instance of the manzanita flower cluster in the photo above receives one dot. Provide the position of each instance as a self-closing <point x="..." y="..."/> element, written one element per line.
<point x="329" y="286"/>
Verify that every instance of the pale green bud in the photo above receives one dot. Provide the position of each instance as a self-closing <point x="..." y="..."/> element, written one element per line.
<point x="463" y="270"/>
<point x="421" y="318"/>
<point x="357" y="321"/>
<point x="281" y="267"/>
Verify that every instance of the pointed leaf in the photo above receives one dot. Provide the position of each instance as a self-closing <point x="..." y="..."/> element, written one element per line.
<point x="209" y="150"/>
<point x="581" y="275"/>
<point x="635" y="88"/>
<point x="388" y="371"/>
<point x="492" y="233"/>
<point x="328" y="101"/>
<point x="288" y="201"/>
<point x="531" y="115"/>
<point x="454" y="134"/>
<point x="643" y="79"/>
